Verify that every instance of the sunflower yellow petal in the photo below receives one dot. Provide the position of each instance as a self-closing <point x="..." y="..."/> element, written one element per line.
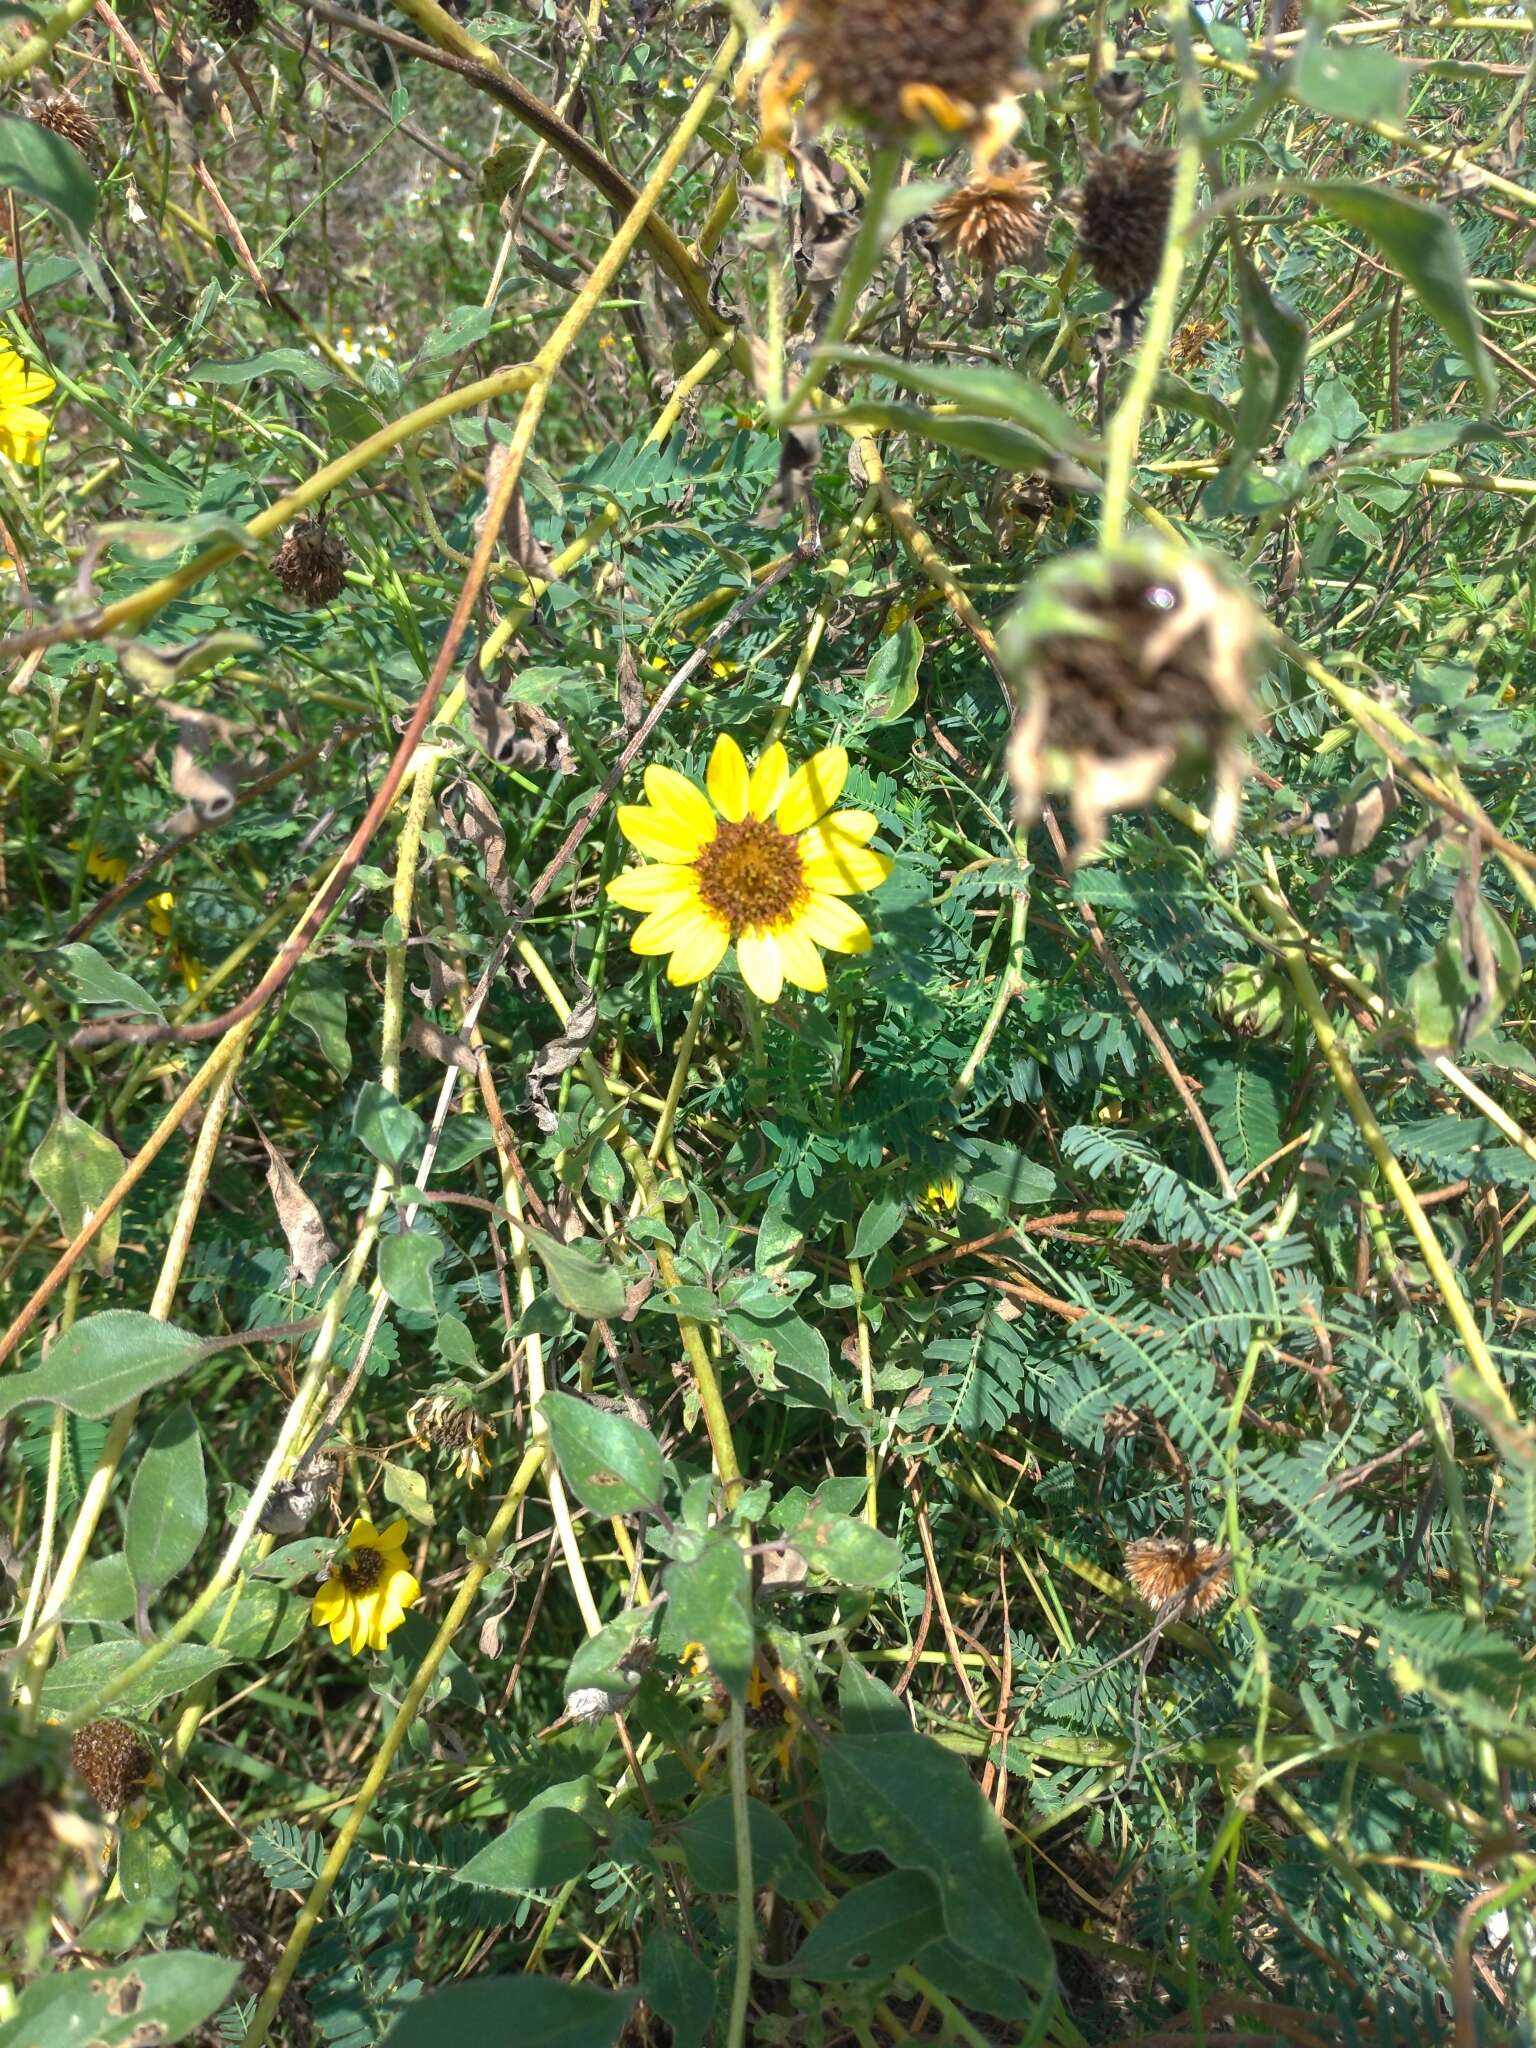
<point x="727" y="779"/>
<point x="813" y="789"/>
<point x="768" y="781"/>
<point x="846" y="869"/>
<point x="328" y="1602"/>
<point x="659" y="837"/>
<point x="362" y="1532"/>
<point x="803" y="965"/>
<point x="341" y="1627"/>
<point x="829" y="922"/>
<point x="679" y="803"/>
<point x="665" y="929"/>
<point x="362" y="1624"/>
<point x="698" y="953"/>
<point x="654" y="888"/>
<point x="761" y="964"/>
<point x="394" y="1536"/>
<point x="860" y="826"/>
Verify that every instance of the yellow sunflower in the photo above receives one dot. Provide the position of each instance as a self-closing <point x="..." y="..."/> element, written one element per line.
<point x="23" y="429"/>
<point x="369" y="1589"/>
<point x="763" y="862"/>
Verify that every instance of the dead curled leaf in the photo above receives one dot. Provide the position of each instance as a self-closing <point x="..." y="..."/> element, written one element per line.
<point x="478" y="822"/>
<point x="310" y="1249"/>
<point x="516" y="528"/>
<point x="423" y="1036"/>
<point x="558" y="1057"/>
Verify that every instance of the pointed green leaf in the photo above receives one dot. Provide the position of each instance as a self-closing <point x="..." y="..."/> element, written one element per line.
<point x="547" y="1845"/>
<point x="710" y="1601"/>
<point x="406" y="1260"/>
<point x="581" y="1275"/>
<point x="871" y="1931"/>
<point x="610" y="1463"/>
<point x="76" y="1168"/>
<point x="44" y="166"/>
<point x="103" y="1363"/>
<point x="168" y="1507"/>
<point x="980" y="388"/>
<point x="534" y="2012"/>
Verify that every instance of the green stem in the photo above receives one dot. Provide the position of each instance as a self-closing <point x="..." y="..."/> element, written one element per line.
<point x="741" y="1826"/>
<point x="679" y="1079"/>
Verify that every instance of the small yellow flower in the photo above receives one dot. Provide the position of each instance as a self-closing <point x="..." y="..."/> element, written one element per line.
<point x="104" y="867"/>
<point x="941" y="1198"/>
<point x="366" y="1596"/>
<point x="766" y="1709"/>
<point x="763" y="863"/>
<point x="23" y="429"/>
<point x="162" y="910"/>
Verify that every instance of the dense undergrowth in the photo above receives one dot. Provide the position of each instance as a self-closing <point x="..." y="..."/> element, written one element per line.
<point x="957" y="1469"/>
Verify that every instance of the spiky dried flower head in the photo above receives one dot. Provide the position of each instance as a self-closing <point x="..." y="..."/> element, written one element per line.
<point x="30" y="1850"/>
<point x="894" y="65"/>
<point x="231" y="20"/>
<point x="312" y="563"/>
<point x="1123" y="217"/>
<point x="113" y="1760"/>
<point x="1126" y="663"/>
<point x="448" y="1422"/>
<point x="62" y="114"/>
<point x="994" y="221"/>
<point x="1183" y="1577"/>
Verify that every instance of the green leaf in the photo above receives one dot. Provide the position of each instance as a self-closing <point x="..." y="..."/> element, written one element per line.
<point x="382" y="1123"/>
<point x="710" y="1602"/>
<point x="266" y="1618"/>
<point x="406" y="1259"/>
<point x="996" y="441"/>
<point x="919" y="1806"/>
<point x="878" y="1225"/>
<point x="547" y="1845"/>
<point x="43" y="165"/>
<point x="1274" y="355"/>
<point x="464" y="1138"/>
<point x="320" y="1005"/>
<point x="583" y="1278"/>
<point x="1345" y="79"/>
<point x="890" y="681"/>
<point x="851" y="1553"/>
<point x="980" y="388"/>
<point x="42" y="273"/>
<point x="152" y="1857"/>
<point x="800" y="1353"/>
<point x="76" y="1682"/>
<point x="90" y="978"/>
<point x="707" y="1838"/>
<point x="678" y="1987"/>
<point x="168" y="1507"/>
<point x="407" y="1490"/>
<point x="1444" y="992"/>
<point x="307" y="371"/>
<point x="601" y="1660"/>
<point x="1005" y="1174"/>
<point x="605" y="1176"/>
<point x="464" y="326"/>
<point x="871" y="1931"/>
<point x="454" y="1341"/>
<point x="1422" y="243"/>
<point x="103" y="1591"/>
<point x="76" y="1168"/>
<point x="106" y="1361"/>
<point x="611" y="1464"/>
<point x="156" y="1998"/>
<point x="534" y="2012"/>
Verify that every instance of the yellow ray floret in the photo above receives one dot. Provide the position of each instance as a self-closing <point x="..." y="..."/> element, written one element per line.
<point x="762" y="862"/>
<point x="23" y="428"/>
<point x="369" y="1589"/>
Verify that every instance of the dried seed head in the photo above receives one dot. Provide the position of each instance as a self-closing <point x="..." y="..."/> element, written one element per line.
<point x="1123" y="217"/>
<point x="1188" y="347"/>
<point x="896" y="64"/>
<point x="1186" y="1578"/>
<point x="1125" y="664"/>
<point x="312" y="563"/>
<point x="62" y="114"/>
<point x="994" y="221"/>
<point x="114" y="1761"/>
<point x="444" y="1422"/>
<point x="230" y="20"/>
<point x="594" y="1703"/>
<point x="30" y="1851"/>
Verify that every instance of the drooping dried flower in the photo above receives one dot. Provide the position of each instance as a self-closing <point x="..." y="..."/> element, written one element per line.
<point x="1126" y="663"/>
<point x="1123" y="217"/>
<point x="30" y="1850"/>
<point x="231" y="20"/>
<point x="62" y="114"/>
<point x="312" y="563"/>
<point x="1186" y="1578"/>
<point x="993" y="221"/>
<point x="113" y="1760"/>
<point x="894" y="65"/>
<point x="443" y="1423"/>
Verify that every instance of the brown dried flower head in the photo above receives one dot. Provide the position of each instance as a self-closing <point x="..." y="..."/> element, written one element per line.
<point x="62" y="114"/>
<point x="1189" y="346"/>
<point x="994" y="221"/>
<point x="230" y="20"/>
<point x="1127" y="663"/>
<point x="1123" y="217"/>
<point x="894" y="65"/>
<point x="113" y="1760"/>
<point x="1188" y="1578"/>
<point x="312" y="563"/>
<point x="30" y="1850"/>
<point x="443" y="1422"/>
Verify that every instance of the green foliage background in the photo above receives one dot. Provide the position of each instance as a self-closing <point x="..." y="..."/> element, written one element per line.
<point x="981" y="1302"/>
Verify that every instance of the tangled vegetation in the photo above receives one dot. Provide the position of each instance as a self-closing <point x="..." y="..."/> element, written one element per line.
<point x="766" y="851"/>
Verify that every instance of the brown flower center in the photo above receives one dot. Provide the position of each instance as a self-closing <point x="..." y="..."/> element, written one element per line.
<point x="751" y="874"/>
<point x="361" y="1570"/>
